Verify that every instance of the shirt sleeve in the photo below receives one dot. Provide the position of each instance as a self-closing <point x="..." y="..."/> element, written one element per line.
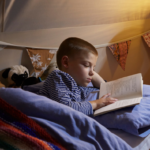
<point x="55" y="89"/>
<point x="86" y="91"/>
<point x="84" y="106"/>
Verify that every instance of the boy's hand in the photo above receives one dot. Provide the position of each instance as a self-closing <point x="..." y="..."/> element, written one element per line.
<point x="103" y="101"/>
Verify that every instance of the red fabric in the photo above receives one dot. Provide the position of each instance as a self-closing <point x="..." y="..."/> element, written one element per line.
<point x="147" y="38"/>
<point x="120" y="52"/>
<point x="18" y="116"/>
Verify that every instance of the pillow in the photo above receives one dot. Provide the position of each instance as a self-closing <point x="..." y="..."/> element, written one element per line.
<point x="134" y="120"/>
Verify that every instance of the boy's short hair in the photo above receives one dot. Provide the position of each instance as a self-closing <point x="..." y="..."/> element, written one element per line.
<point x="72" y="46"/>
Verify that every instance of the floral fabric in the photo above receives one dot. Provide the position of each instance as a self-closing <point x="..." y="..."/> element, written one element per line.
<point x="147" y="38"/>
<point x="40" y="60"/>
<point x="120" y="52"/>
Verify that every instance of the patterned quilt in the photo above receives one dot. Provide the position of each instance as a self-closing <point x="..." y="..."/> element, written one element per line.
<point x="17" y="131"/>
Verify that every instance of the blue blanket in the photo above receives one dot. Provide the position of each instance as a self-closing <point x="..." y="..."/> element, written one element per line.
<point x="71" y="128"/>
<point x="134" y="120"/>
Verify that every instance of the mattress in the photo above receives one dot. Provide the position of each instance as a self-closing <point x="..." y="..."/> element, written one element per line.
<point x="137" y="143"/>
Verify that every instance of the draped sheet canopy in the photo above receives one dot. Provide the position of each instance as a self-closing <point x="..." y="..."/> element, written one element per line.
<point x="46" y="23"/>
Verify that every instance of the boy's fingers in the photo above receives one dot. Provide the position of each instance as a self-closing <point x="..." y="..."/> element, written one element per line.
<point x="114" y="99"/>
<point x="110" y="102"/>
<point x="107" y="95"/>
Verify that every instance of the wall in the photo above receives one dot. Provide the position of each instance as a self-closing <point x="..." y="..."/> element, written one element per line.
<point x="138" y="61"/>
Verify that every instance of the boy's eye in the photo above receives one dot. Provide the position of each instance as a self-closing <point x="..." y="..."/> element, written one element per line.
<point x="86" y="65"/>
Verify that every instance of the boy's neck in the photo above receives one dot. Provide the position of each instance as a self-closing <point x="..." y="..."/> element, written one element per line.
<point x="63" y="70"/>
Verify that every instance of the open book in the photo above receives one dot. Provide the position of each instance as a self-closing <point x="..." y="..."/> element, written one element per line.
<point x="128" y="90"/>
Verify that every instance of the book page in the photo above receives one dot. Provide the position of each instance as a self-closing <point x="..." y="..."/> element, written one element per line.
<point x="123" y="88"/>
<point x="117" y="105"/>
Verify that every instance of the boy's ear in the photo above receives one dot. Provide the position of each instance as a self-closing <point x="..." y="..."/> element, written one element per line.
<point x="64" y="61"/>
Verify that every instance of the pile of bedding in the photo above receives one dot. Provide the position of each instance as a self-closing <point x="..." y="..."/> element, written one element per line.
<point x="72" y="129"/>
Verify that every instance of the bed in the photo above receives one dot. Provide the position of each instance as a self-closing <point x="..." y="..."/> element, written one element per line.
<point x="61" y="127"/>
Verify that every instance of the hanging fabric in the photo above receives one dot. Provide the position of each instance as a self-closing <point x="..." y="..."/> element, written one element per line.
<point x="40" y="60"/>
<point x="146" y="37"/>
<point x="120" y="52"/>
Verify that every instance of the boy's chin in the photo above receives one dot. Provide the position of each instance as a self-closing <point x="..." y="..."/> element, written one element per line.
<point x="83" y="84"/>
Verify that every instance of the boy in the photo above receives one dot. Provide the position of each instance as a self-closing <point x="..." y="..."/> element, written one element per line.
<point x="76" y="60"/>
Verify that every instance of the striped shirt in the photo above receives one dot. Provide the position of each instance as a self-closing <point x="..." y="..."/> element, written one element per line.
<point x="61" y="87"/>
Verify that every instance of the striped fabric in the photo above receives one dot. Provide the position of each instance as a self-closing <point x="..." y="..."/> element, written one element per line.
<point x="61" y="87"/>
<point x="17" y="131"/>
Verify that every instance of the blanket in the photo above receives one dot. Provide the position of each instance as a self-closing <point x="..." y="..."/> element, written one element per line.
<point x="17" y="131"/>
<point x="134" y="120"/>
<point x="71" y="128"/>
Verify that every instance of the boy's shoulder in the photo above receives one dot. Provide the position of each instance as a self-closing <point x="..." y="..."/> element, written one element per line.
<point x="60" y="74"/>
<point x="55" y="72"/>
<point x="61" y="79"/>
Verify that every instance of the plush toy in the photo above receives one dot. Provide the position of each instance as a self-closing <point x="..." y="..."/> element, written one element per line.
<point x="34" y="80"/>
<point x="30" y="81"/>
<point x="15" y="75"/>
<point x="50" y="68"/>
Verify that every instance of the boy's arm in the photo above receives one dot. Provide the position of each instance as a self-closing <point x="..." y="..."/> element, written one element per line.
<point x="97" y="79"/>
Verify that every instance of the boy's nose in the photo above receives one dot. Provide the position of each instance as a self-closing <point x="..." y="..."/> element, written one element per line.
<point x="91" y="73"/>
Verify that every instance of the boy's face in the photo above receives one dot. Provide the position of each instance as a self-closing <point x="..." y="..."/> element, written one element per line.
<point x="81" y="67"/>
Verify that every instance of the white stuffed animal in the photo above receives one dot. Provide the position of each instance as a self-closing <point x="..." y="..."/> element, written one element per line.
<point x="16" y="75"/>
